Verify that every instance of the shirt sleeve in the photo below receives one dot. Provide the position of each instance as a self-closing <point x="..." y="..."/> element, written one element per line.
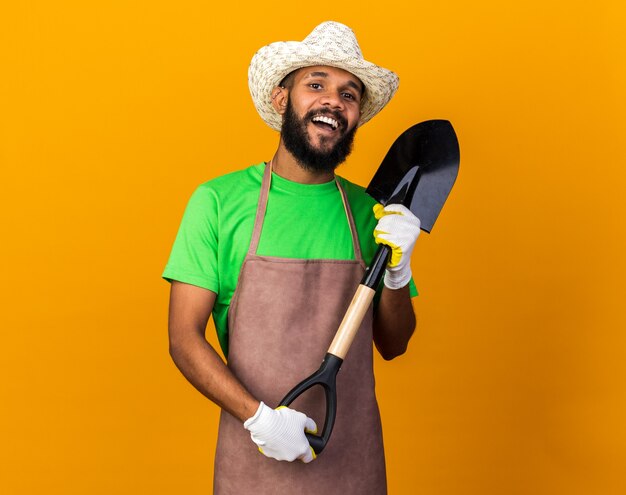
<point x="193" y="259"/>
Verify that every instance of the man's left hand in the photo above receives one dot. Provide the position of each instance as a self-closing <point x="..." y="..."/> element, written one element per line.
<point x="399" y="229"/>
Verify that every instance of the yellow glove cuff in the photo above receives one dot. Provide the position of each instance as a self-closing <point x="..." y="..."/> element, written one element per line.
<point x="396" y="251"/>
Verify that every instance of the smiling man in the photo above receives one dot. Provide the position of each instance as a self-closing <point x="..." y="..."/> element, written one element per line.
<point x="275" y="253"/>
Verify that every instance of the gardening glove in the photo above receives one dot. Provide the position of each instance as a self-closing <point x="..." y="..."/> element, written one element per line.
<point x="398" y="228"/>
<point x="279" y="433"/>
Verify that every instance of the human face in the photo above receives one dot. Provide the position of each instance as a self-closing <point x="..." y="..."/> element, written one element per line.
<point x="323" y="110"/>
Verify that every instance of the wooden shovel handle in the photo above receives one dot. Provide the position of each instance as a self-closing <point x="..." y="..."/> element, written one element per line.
<point x="351" y="321"/>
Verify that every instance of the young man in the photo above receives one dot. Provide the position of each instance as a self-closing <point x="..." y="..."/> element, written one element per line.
<point x="276" y="252"/>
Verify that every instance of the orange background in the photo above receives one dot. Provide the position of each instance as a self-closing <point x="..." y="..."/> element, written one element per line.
<point x="112" y="112"/>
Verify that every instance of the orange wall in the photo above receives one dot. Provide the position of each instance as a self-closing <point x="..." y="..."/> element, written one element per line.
<point x="111" y="113"/>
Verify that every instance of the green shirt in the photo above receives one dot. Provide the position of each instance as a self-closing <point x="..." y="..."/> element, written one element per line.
<point x="302" y="221"/>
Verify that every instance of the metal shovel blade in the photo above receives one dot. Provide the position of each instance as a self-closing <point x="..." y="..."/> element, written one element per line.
<point x="419" y="170"/>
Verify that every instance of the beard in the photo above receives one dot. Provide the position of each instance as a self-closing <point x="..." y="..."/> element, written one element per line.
<point x="326" y="158"/>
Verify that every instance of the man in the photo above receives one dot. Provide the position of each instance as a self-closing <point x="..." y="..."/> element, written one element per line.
<point x="276" y="252"/>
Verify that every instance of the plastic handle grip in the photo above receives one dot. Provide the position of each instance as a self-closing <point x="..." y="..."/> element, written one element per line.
<point x="325" y="376"/>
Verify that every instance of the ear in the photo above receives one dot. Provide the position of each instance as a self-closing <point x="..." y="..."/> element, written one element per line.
<point x="279" y="99"/>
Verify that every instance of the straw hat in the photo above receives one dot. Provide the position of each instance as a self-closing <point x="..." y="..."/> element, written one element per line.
<point x="330" y="43"/>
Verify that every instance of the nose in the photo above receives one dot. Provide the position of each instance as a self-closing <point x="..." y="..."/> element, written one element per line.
<point x="332" y="99"/>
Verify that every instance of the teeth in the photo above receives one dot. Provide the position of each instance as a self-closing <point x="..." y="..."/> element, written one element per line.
<point x="326" y="120"/>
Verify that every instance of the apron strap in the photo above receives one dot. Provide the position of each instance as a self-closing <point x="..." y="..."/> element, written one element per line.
<point x="262" y="208"/>
<point x="355" y="236"/>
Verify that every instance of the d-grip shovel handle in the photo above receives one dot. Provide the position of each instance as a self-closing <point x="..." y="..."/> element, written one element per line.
<point x="326" y="375"/>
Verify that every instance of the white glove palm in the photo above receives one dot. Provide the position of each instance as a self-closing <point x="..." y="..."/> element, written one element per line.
<point x="279" y="433"/>
<point x="399" y="229"/>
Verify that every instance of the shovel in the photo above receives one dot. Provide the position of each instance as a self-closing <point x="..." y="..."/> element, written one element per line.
<point x="418" y="171"/>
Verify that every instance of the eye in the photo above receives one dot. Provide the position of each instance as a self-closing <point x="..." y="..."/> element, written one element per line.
<point x="315" y="86"/>
<point x="351" y="97"/>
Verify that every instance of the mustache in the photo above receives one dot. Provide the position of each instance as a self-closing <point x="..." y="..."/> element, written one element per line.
<point x="343" y="123"/>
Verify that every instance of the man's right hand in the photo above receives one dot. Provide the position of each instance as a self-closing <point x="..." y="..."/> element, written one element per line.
<point x="279" y="433"/>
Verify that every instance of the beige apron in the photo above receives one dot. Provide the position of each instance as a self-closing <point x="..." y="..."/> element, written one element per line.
<point x="282" y="319"/>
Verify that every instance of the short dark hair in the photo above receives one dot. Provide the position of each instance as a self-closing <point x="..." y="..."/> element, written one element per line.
<point x="287" y="81"/>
